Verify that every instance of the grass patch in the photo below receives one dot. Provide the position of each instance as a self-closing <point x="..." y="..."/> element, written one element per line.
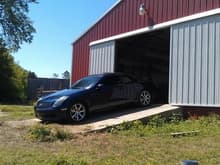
<point x="161" y="126"/>
<point x="44" y="133"/>
<point x="27" y="156"/>
<point x="136" y="143"/>
<point x="16" y="112"/>
<point x="68" y="161"/>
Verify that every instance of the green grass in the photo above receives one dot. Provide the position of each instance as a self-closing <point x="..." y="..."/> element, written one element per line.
<point x="16" y="112"/>
<point x="44" y="133"/>
<point x="132" y="143"/>
<point x="158" y="125"/>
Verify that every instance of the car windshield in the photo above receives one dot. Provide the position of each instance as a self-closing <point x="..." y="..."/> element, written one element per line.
<point x="86" y="82"/>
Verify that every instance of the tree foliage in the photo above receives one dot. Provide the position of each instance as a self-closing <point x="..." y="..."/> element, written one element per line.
<point x="13" y="79"/>
<point x="32" y="74"/>
<point x="55" y="75"/>
<point x="15" y="25"/>
<point x="66" y="75"/>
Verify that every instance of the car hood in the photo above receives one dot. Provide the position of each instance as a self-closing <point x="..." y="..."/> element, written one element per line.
<point x="65" y="92"/>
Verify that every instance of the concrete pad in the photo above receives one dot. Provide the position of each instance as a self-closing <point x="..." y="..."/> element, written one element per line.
<point x="116" y="118"/>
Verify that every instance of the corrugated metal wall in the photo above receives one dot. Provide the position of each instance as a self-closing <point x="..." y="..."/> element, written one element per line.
<point x="102" y="58"/>
<point x="124" y="17"/>
<point x="195" y="62"/>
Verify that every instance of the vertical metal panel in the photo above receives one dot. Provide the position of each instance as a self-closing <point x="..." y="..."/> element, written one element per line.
<point x="186" y="57"/>
<point x="173" y="64"/>
<point x="192" y="50"/>
<point x="164" y="6"/>
<point x="198" y="65"/>
<point x="160" y="8"/>
<point x="204" y="70"/>
<point x="102" y="58"/>
<point x="124" y="17"/>
<point x="217" y="66"/>
<point x="198" y="6"/>
<point x="180" y="64"/>
<point x="195" y="62"/>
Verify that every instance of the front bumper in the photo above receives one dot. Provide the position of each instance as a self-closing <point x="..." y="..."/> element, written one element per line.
<point x="51" y="114"/>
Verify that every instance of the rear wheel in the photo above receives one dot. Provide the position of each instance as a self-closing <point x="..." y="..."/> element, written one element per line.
<point x="144" y="98"/>
<point x="77" y="112"/>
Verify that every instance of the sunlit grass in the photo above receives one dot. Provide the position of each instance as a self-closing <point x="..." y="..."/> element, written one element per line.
<point x="16" y="112"/>
<point x="134" y="143"/>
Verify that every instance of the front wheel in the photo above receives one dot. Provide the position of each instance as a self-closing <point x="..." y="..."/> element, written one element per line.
<point x="144" y="98"/>
<point x="77" y="112"/>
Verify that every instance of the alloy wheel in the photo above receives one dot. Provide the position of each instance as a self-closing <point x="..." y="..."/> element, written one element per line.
<point x="77" y="112"/>
<point x="145" y="98"/>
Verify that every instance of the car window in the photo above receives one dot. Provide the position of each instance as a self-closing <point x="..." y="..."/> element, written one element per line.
<point x="86" y="82"/>
<point x="110" y="80"/>
<point x="126" y="79"/>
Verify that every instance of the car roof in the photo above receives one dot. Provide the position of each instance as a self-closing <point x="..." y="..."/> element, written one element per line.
<point x="108" y="74"/>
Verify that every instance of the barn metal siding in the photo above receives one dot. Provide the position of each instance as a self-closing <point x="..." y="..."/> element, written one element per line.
<point x="102" y="58"/>
<point x="195" y="62"/>
<point x="124" y="17"/>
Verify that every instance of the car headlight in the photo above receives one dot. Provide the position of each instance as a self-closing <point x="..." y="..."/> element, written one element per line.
<point x="59" y="101"/>
<point x="35" y="104"/>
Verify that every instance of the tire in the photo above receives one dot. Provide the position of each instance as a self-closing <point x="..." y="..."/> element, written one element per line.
<point x="144" y="98"/>
<point x="77" y="112"/>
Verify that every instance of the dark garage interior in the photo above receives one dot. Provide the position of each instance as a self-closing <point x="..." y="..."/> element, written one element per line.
<point x="146" y="57"/>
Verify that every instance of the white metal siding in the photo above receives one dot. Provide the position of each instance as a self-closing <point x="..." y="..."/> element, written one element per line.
<point x="195" y="63"/>
<point x="102" y="58"/>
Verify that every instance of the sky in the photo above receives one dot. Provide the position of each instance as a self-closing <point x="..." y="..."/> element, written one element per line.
<point x="58" y="23"/>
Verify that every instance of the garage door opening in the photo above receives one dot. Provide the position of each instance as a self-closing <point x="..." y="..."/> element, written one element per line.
<point x="146" y="57"/>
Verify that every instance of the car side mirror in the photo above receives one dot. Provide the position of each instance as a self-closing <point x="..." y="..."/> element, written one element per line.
<point x="99" y="86"/>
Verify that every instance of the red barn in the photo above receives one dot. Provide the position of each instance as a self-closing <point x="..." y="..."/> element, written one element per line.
<point x="175" y="42"/>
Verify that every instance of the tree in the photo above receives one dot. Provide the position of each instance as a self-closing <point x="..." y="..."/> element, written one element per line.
<point x="15" y="25"/>
<point x="66" y="75"/>
<point x="55" y="75"/>
<point x="31" y="74"/>
<point x="13" y="79"/>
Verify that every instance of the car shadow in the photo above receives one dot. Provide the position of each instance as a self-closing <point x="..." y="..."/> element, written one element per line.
<point x="115" y="113"/>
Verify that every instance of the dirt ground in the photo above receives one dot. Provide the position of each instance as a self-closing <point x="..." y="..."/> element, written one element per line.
<point x="2" y="114"/>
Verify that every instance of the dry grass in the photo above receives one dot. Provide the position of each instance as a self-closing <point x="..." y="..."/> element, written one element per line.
<point x="16" y="112"/>
<point x="124" y="146"/>
<point x="129" y="143"/>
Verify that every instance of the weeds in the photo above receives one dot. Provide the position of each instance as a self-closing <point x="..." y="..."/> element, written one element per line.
<point x="210" y="120"/>
<point x="176" y="118"/>
<point x="66" y="161"/>
<point x="156" y="121"/>
<point x="130" y="143"/>
<point x="43" y="133"/>
<point x="164" y="126"/>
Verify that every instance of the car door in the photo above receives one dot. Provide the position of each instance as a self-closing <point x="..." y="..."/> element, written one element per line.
<point x="129" y="88"/>
<point x="106" y="93"/>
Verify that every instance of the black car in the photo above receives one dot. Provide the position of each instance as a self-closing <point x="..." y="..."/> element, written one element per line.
<point x="92" y="93"/>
